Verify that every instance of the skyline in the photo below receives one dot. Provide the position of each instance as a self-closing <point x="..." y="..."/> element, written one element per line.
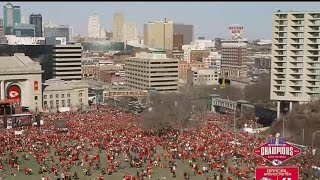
<point x="210" y="19"/>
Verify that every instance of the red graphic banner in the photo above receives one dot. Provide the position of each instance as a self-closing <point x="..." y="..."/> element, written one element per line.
<point x="14" y="93"/>
<point x="277" y="153"/>
<point x="35" y="85"/>
<point x="277" y="173"/>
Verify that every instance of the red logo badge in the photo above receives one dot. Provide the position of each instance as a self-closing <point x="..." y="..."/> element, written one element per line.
<point x="13" y="93"/>
<point x="277" y="150"/>
<point x="277" y="173"/>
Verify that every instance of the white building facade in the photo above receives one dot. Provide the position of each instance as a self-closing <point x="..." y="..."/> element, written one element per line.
<point x="198" y="77"/>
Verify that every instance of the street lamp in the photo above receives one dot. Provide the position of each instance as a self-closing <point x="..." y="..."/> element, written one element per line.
<point x="313" y="137"/>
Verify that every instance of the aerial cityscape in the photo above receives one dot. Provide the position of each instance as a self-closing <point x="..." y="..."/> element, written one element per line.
<point x="134" y="90"/>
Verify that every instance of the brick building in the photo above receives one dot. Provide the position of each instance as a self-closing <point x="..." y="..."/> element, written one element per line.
<point x="234" y="59"/>
<point x="184" y="66"/>
<point x="177" y="41"/>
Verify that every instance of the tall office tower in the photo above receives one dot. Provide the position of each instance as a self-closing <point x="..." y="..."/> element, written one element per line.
<point x="94" y="27"/>
<point x="118" y="21"/>
<point x="159" y="34"/>
<point x="295" y="62"/>
<point x="36" y="19"/>
<point x="67" y="62"/>
<point x="11" y="17"/>
<point x="234" y="58"/>
<point x="130" y="31"/>
<point x="184" y="29"/>
<point x="152" y="71"/>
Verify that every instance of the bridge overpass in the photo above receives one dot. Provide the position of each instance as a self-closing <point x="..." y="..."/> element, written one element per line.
<point x="265" y="116"/>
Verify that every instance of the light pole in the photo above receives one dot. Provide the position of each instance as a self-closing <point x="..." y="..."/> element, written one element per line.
<point x="313" y="137"/>
<point x="234" y="125"/>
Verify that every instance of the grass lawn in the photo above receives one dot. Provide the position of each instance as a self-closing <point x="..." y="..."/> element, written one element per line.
<point x="159" y="173"/>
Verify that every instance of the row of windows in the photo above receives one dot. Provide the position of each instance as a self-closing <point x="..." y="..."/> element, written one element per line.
<point x="58" y="95"/>
<point x="57" y="104"/>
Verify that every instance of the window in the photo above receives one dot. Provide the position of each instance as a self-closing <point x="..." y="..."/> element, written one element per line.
<point x="68" y="95"/>
<point x="80" y="94"/>
<point x="36" y="98"/>
<point x="51" y="96"/>
<point x="51" y="103"/>
<point x="63" y="103"/>
<point x="44" y="96"/>
<point x="45" y="103"/>
<point x="62" y="95"/>
<point x="68" y="101"/>
<point x="57" y="103"/>
<point x="80" y="100"/>
<point x="57" y="95"/>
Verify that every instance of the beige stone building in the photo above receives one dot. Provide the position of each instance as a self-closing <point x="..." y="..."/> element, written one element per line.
<point x="159" y="34"/>
<point x="20" y="80"/>
<point x="152" y="71"/>
<point x="58" y="93"/>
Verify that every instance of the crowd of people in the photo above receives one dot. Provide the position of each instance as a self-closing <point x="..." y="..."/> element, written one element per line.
<point x="110" y="142"/>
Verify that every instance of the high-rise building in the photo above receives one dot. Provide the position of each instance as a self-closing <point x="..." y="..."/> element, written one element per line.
<point x="36" y="19"/>
<point x="130" y="31"/>
<point x="94" y="27"/>
<point x="234" y="58"/>
<point x="159" y="34"/>
<point x="152" y="71"/>
<point x="118" y="21"/>
<point x="295" y="65"/>
<point x="57" y="31"/>
<point x="67" y="62"/>
<point x="184" y="29"/>
<point x="11" y="15"/>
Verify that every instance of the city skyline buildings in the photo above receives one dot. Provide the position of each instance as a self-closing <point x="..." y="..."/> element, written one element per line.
<point x="210" y="19"/>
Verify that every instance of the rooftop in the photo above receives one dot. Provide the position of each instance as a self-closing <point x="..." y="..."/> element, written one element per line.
<point x="18" y="64"/>
<point x="60" y="85"/>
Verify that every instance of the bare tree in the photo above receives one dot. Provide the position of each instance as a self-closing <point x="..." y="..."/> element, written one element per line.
<point x="259" y="92"/>
<point x="303" y="118"/>
<point x="230" y="92"/>
<point x="172" y="110"/>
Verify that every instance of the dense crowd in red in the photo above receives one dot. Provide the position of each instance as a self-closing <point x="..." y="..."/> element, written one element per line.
<point x="205" y="149"/>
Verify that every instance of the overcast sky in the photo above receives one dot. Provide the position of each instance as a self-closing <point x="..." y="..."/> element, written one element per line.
<point x="210" y="19"/>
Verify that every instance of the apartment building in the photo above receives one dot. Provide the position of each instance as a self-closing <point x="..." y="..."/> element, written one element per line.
<point x="295" y="62"/>
<point x="152" y="71"/>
